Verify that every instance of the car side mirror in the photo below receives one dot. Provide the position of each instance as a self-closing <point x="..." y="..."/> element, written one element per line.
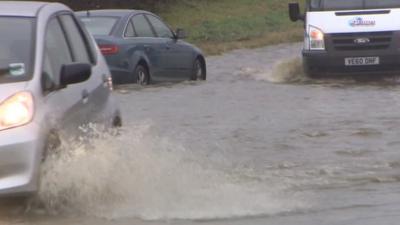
<point x="180" y="33"/>
<point x="294" y="12"/>
<point x="75" y="73"/>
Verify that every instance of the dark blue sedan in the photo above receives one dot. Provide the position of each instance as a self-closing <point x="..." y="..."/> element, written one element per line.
<point x="139" y="47"/>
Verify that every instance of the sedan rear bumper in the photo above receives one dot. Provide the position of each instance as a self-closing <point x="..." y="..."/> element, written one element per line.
<point x="20" y="158"/>
<point x="120" y="75"/>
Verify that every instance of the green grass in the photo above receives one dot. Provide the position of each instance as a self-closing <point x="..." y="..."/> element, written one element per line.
<point x="221" y="25"/>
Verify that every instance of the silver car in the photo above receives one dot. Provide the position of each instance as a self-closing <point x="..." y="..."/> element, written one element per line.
<point x="53" y="79"/>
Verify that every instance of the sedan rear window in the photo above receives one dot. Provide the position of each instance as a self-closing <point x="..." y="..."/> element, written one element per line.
<point x="99" y="25"/>
<point x="326" y="5"/>
<point x="16" y="48"/>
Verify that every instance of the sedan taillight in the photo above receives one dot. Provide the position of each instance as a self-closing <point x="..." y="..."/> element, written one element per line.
<point x="109" y="49"/>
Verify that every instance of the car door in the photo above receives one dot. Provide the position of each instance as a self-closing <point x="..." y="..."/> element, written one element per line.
<point x="179" y="56"/>
<point x="64" y="105"/>
<point x="144" y="40"/>
<point x="94" y="92"/>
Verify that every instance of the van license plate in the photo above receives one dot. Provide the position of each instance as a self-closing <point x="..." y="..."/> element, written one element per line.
<point x="361" y="61"/>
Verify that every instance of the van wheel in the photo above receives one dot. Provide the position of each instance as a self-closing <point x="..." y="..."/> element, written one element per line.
<point x="142" y="75"/>
<point x="311" y="73"/>
<point x="314" y="75"/>
<point x="199" y="71"/>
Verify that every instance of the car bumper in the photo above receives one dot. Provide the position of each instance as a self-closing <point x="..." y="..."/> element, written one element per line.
<point x="20" y="158"/>
<point x="121" y="76"/>
<point x="324" y="62"/>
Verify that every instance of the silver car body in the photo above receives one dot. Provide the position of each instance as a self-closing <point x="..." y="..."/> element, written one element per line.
<point x="62" y="110"/>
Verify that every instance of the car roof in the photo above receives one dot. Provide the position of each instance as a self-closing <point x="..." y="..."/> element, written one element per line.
<point x="110" y="12"/>
<point x="21" y="8"/>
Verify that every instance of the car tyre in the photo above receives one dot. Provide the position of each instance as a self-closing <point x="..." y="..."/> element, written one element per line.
<point x="53" y="142"/>
<point x="313" y="74"/>
<point x="199" y="70"/>
<point x="142" y="75"/>
<point x="117" y="122"/>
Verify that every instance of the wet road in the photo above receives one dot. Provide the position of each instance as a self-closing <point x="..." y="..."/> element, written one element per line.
<point x="258" y="143"/>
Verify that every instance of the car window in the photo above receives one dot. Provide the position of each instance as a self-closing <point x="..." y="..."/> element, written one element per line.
<point x="91" y="43"/>
<point x="56" y="54"/>
<point x="130" y="32"/>
<point x="78" y="46"/>
<point x="99" y="25"/>
<point x="142" y="26"/>
<point x="16" y="48"/>
<point x="160" y="28"/>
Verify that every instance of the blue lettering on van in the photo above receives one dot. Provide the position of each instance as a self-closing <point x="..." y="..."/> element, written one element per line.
<point x="358" y="21"/>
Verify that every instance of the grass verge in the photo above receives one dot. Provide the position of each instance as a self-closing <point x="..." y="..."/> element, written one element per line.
<point x="217" y="26"/>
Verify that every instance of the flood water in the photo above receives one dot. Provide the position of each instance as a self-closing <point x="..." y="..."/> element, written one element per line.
<point x="258" y="143"/>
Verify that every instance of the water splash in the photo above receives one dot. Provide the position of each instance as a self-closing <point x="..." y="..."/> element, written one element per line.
<point x="283" y="71"/>
<point x="288" y="71"/>
<point x="144" y="175"/>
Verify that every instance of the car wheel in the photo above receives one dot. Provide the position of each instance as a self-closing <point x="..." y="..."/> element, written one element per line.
<point x="142" y="75"/>
<point x="53" y="142"/>
<point x="199" y="72"/>
<point x="117" y="122"/>
<point x="24" y="203"/>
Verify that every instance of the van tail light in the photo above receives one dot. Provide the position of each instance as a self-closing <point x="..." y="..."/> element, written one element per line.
<point x="109" y="49"/>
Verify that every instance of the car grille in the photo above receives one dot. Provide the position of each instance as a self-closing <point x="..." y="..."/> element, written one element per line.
<point x="347" y="41"/>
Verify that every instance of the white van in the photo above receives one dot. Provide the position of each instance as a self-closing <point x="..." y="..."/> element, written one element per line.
<point x="344" y="36"/>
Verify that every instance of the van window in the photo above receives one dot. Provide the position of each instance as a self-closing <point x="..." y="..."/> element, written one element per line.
<point x="332" y="5"/>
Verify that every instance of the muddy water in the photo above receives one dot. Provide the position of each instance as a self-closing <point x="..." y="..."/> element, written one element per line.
<point x="258" y="143"/>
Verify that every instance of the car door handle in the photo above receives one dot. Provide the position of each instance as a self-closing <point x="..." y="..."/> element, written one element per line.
<point x="85" y="96"/>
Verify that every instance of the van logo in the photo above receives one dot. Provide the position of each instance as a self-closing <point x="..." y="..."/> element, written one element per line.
<point x="362" y="41"/>
<point x="358" y="21"/>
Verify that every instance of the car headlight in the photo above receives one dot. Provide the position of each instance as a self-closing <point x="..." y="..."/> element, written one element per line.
<point x="16" y="111"/>
<point x="316" y="38"/>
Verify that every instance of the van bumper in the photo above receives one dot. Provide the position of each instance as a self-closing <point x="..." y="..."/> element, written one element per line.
<point x="322" y="62"/>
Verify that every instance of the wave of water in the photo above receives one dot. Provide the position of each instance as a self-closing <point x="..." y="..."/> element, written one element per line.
<point x="142" y="174"/>
<point x="283" y="71"/>
<point x="290" y="70"/>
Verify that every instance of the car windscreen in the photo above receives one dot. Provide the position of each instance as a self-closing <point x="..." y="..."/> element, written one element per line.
<point x="331" y="5"/>
<point x="97" y="25"/>
<point x="16" y="48"/>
